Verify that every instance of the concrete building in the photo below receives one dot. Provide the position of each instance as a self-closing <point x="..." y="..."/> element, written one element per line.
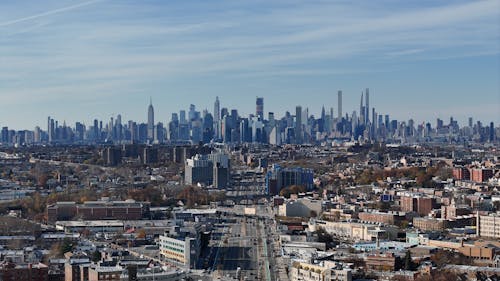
<point x="105" y="273"/>
<point x="488" y="226"/>
<point x="351" y="230"/>
<point x="212" y="169"/>
<point x="182" y="244"/>
<point x="325" y="271"/>
<point x="179" y="249"/>
<point x="302" y="207"/>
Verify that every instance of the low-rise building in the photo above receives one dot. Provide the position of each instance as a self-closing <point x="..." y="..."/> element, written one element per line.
<point x="25" y="272"/>
<point x="381" y="217"/>
<point x="301" y="271"/>
<point x="103" y="209"/>
<point x="302" y="207"/>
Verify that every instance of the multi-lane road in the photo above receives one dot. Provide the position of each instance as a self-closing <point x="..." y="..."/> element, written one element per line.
<point x="247" y="247"/>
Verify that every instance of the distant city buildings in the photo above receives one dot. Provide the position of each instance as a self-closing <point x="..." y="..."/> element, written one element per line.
<point x="228" y="126"/>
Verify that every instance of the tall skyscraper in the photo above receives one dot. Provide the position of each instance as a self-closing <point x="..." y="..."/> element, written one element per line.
<point x="367" y="106"/>
<point x="361" y="110"/>
<point x="216" y="110"/>
<point x="51" y="129"/>
<point x="298" y="124"/>
<point x="339" y="101"/>
<point x="259" y="108"/>
<point x="151" y="121"/>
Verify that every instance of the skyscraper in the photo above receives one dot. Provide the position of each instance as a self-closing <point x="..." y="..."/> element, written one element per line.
<point x="298" y="124"/>
<point x="367" y="106"/>
<point x="216" y="121"/>
<point x="339" y="101"/>
<point x="259" y="108"/>
<point x="151" y="121"/>
<point x="361" y="110"/>
<point x="216" y="110"/>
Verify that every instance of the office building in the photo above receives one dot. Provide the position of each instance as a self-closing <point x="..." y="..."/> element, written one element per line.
<point x="339" y="105"/>
<point x="298" y="125"/>
<point x="259" y="109"/>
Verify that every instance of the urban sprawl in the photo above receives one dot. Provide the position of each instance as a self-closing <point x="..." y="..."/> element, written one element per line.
<point x="213" y="195"/>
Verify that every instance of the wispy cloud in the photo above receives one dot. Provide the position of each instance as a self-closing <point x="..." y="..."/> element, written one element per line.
<point x="48" y="13"/>
<point x="117" y="47"/>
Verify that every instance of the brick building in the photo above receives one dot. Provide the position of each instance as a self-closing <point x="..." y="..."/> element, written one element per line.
<point x="421" y="205"/>
<point x="98" y="210"/>
<point x="24" y="272"/>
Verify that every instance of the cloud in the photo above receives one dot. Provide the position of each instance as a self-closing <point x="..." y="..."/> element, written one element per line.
<point x="48" y="13"/>
<point x="132" y="45"/>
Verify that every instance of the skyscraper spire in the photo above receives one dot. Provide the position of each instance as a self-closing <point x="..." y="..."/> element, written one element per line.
<point x="151" y="120"/>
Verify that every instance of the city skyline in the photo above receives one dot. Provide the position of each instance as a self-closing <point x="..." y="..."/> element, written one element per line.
<point x="152" y="110"/>
<point x="74" y="59"/>
<point x="227" y="125"/>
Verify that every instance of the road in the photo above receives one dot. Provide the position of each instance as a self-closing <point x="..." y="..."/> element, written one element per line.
<point x="247" y="250"/>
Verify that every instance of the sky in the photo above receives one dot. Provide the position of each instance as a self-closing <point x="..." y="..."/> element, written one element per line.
<point x="80" y="60"/>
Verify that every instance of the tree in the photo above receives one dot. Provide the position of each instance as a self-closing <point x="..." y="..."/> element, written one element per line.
<point x="293" y="189"/>
<point x="96" y="256"/>
<point x="408" y="261"/>
<point x="66" y="246"/>
<point x="141" y="234"/>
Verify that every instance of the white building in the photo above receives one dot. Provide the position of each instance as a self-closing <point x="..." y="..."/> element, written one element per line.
<point x="488" y="226"/>
<point x="181" y="250"/>
<point x="301" y="271"/>
<point x="303" y="207"/>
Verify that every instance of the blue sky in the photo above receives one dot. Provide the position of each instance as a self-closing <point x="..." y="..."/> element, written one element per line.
<point x="80" y="60"/>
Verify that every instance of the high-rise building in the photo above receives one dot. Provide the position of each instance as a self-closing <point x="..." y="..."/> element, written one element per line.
<point x="298" y="124"/>
<point x="259" y="108"/>
<point x="151" y="121"/>
<point x="216" y="116"/>
<point x="492" y="132"/>
<point x="96" y="130"/>
<point x="339" y="101"/>
<point x="217" y="109"/>
<point x="51" y="129"/>
<point x="361" y="110"/>
<point x="367" y="106"/>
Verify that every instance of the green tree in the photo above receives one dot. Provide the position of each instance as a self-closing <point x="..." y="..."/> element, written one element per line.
<point x="408" y="261"/>
<point x="96" y="256"/>
<point x="66" y="246"/>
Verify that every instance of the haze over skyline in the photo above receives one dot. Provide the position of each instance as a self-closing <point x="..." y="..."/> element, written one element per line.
<point x="80" y="60"/>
